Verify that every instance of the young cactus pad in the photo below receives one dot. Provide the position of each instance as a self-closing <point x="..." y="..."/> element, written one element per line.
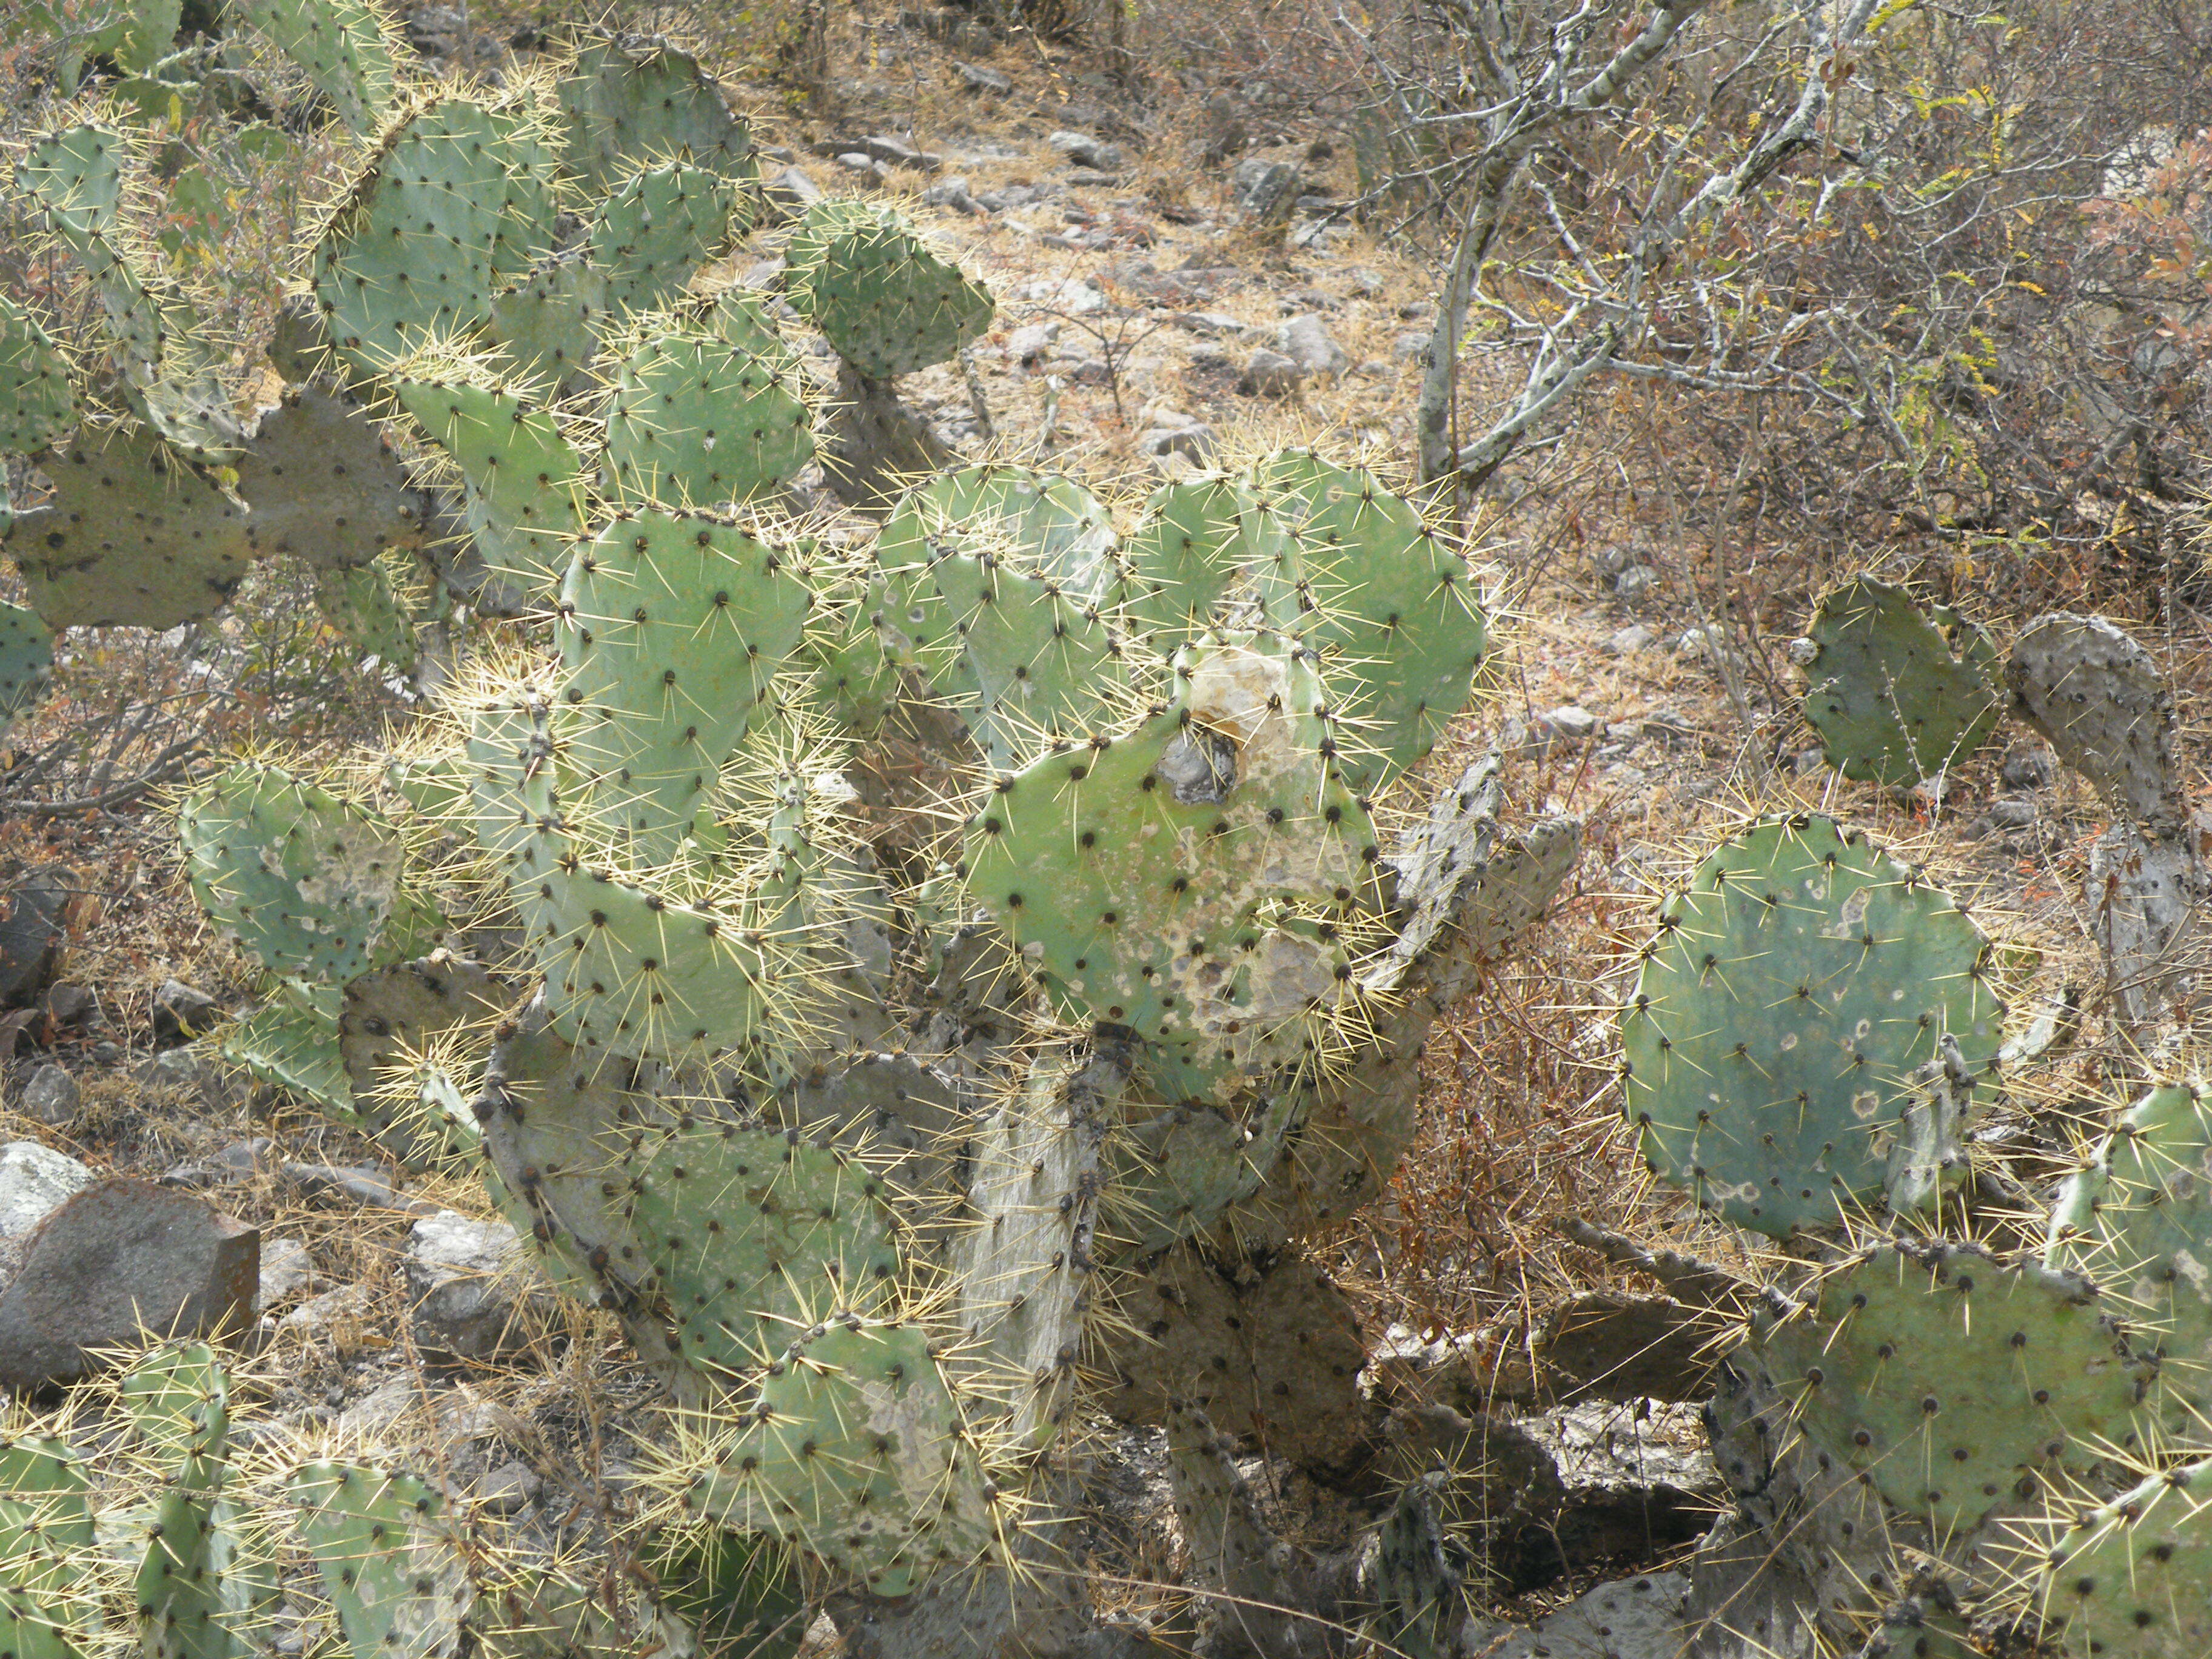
<point x="45" y="1539"/>
<point x="1793" y="986"/>
<point x="2133" y="1579"/>
<point x="2138" y="1219"/>
<point x="1896" y="693"/>
<point x="1960" y="1385"/>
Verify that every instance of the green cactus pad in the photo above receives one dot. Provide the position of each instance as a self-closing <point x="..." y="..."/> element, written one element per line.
<point x="1793" y="989"/>
<point x="642" y="248"/>
<point x="671" y="632"/>
<point x="178" y="1401"/>
<point x="347" y="48"/>
<point x="1394" y="612"/>
<point x="525" y="482"/>
<point x="884" y="302"/>
<point x="2138" y="1219"/>
<point x="296" y="1048"/>
<point x="2132" y="1579"/>
<point x="743" y="1595"/>
<point x="856" y="1453"/>
<point x="631" y="104"/>
<point x="695" y="422"/>
<point x="1189" y="877"/>
<point x="46" y="1539"/>
<point x="133" y="537"/>
<point x="204" y="1589"/>
<point x="209" y="1587"/>
<point x="390" y="1561"/>
<point x="323" y="484"/>
<point x="1043" y="525"/>
<point x="1960" y="1385"/>
<point x="36" y="403"/>
<point x="1198" y="539"/>
<point x="26" y="661"/>
<point x="456" y="206"/>
<point x="1896" y="693"/>
<point x="80" y="176"/>
<point x="755" y="1235"/>
<point x="629" y="972"/>
<point x="372" y="613"/>
<point x="656" y="229"/>
<point x="314" y="886"/>
<point x="1035" y="662"/>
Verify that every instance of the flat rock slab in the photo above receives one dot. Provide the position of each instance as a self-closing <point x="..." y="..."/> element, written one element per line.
<point x="1631" y="1618"/>
<point x="119" y="1261"/>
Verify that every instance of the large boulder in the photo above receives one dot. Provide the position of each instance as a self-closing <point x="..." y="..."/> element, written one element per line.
<point x="121" y="1261"/>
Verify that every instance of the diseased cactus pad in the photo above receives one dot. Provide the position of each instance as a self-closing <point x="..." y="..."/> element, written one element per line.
<point x="133" y="537"/>
<point x="1897" y="694"/>
<point x="1960" y="1385"/>
<point x="314" y="886"/>
<point x="1197" y="877"/>
<point x="1793" y="988"/>
<point x="390" y="1560"/>
<point x="26" y="661"/>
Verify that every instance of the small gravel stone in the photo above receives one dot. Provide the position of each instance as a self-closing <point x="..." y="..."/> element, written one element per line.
<point x="1627" y="640"/>
<point x="52" y="1096"/>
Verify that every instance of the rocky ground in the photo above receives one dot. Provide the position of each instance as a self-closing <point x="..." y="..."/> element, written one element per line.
<point x="1171" y="300"/>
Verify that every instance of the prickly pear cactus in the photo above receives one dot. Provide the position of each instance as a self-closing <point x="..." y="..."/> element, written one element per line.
<point x="696" y="420"/>
<point x="1200" y="878"/>
<point x="856" y="1453"/>
<point x="1963" y="1387"/>
<point x="2137" y="1218"/>
<point x="2132" y="1579"/>
<point x="1793" y="986"/>
<point x="133" y="537"/>
<point x="457" y="205"/>
<point x="390" y="1560"/>
<point x="348" y="48"/>
<point x="37" y="403"/>
<point x="1392" y="613"/>
<point x="625" y="100"/>
<point x="881" y="297"/>
<point x="47" y="1538"/>
<point x="26" y="661"/>
<point x="2106" y="708"/>
<point x="316" y="887"/>
<point x="1897" y="694"/>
